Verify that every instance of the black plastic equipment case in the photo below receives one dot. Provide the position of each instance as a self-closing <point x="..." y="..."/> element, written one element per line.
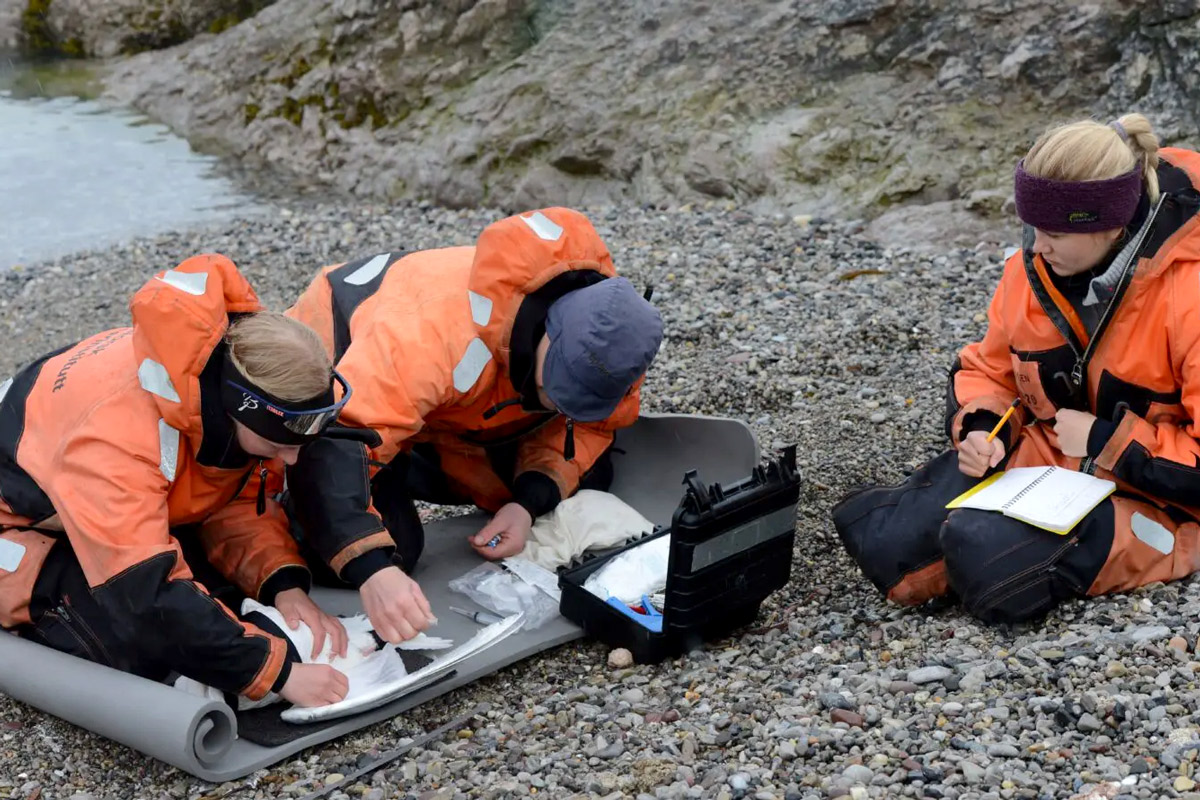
<point x="731" y="546"/>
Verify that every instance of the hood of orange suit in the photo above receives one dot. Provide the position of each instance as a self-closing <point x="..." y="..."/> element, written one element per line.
<point x="518" y="255"/>
<point x="179" y="317"/>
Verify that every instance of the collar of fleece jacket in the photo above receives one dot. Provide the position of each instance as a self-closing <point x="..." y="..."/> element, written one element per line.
<point x="179" y="319"/>
<point x="521" y="265"/>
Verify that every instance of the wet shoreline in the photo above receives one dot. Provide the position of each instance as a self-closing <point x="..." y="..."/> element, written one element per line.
<point x="81" y="173"/>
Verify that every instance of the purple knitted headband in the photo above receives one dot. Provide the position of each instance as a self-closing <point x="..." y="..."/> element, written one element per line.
<point x="1077" y="206"/>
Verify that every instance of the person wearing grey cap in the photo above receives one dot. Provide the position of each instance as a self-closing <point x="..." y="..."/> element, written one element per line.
<point x="496" y="375"/>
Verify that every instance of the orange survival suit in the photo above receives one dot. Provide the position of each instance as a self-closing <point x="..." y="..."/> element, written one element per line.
<point x="1133" y="361"/>
<point x="439" y="346"/>
<point x="116" y="442"/>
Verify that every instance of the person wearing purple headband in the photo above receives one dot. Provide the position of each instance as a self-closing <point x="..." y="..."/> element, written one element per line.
<point x="1093" y="341"/>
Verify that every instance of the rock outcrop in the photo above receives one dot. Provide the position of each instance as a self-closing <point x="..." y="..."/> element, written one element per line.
<point x="106" y="28"/>
<point x="849" y="107"/>
<point x="10" y="26"/>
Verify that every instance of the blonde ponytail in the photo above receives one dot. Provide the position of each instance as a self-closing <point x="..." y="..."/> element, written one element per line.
<point x="1144" y="144"/>
<point x="1093" y="151"/>
<point x="281" y="355"/>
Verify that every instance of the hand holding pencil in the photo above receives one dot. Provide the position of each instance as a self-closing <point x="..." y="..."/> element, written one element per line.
<point x="979" y="452"/>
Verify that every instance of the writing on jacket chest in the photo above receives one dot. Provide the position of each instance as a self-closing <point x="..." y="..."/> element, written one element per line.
<point x="1138" y="382"/>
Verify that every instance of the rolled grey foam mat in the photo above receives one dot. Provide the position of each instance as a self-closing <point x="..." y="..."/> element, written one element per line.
<point x="200" y="736"/>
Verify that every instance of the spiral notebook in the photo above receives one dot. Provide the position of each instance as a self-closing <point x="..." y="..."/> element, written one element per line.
<point x="1051" y="498"/>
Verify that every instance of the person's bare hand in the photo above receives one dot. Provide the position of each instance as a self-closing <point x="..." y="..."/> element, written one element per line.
<point x="314" y="685"/>
<point x="296" y="607"/>
<point x="395" y="605"/>
<point x="976" y="455"/>
<point x="512" y="524"/>
<point x="1072" y="429"/>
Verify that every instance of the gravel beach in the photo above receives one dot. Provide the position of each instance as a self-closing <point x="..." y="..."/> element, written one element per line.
<point x="816" y="336"/>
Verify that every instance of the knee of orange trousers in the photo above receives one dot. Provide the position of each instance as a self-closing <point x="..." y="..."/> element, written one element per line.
<point x="1150" y="544"/>
<point x="1006" y="571"/>
<point x="921" y="585"/>
<point x="896" y="553"/>
<point x="892" y="531"/>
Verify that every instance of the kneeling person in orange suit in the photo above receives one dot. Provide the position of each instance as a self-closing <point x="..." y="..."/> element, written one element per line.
<point x="495" y="374"/>
<point x="126" y="451"/>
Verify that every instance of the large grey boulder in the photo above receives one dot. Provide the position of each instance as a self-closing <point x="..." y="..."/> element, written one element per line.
<point x="852" y="107"/>
<point x="111" y="27"/>
<point x="10" y="25"/>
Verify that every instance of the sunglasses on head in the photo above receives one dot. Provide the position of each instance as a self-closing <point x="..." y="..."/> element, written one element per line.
<point x="303" y="421"/>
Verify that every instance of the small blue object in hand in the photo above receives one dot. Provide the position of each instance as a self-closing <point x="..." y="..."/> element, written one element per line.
<point x="495" y="541"/>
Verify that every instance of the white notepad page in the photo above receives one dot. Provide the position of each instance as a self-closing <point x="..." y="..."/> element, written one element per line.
<point x="1050" y="497"/>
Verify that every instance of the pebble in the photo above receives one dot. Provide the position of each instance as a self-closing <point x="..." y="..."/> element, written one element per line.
<point x="1149" y="633"/>
<point x="973" y="680"/>
<point x="1115" y="669"/>
<point x="972" y="773"/>
<point x="835" y="700"/>
<point x="851" y="718"/>
<point x="620" y="658"/>
<point x="856" y="773"/>
<point x="929" y="674"/>
<point x="611" y="751"/>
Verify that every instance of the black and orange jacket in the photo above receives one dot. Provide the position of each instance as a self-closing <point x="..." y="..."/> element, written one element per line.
<point x="1138" y="371"/>
<point x="439" y="346"/>
<point x="118" y="439"/>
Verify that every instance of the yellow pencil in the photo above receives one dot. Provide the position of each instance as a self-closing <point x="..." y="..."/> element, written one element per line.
<point x="1004" y="419"/>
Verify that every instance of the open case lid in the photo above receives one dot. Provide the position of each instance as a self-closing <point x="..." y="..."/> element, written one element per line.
<point x="730" y="546"/>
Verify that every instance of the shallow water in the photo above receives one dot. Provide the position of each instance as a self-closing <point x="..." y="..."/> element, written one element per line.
<point x="77" y="174"/>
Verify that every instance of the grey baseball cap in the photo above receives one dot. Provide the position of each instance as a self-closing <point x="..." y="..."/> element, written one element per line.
<point x="602" y="339"/>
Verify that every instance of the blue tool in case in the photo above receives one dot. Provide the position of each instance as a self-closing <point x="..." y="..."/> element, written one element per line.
<point x="648" y="617"/>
